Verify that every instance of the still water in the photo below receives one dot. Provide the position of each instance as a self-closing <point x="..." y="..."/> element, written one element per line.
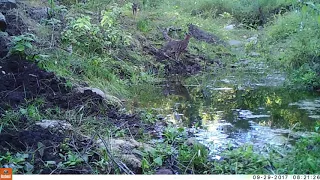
<point x="234" y="109"/>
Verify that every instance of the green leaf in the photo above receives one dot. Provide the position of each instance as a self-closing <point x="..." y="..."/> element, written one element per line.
<point x="319" y="19"/>
<point x="158" y="161"/>
<point x="304" y="9"/>
<point x="19" y="47"/>
<point x="28" y="45"/>
<point x="145" y="164"/>
<point x="17" y="38"/>
<point x="180" y="129"/>
<point x="41" y="148"/>
<point x="312" y="163"/>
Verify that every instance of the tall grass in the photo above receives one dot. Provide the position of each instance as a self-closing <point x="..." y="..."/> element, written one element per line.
<point x="293" y="39"/>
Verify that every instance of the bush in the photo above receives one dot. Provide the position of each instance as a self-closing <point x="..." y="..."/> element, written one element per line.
<point x="91" y="37"/>
<point x="248" y="12"/>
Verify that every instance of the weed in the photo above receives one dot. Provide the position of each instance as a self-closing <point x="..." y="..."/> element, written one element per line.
<point x="31" y="111"/>
<point x="9" y="119"/>
<point x="17" y="162"/>
<point x="242" y="160"/>
<point x="143" y="25"/>
<point x="173" y="134"/>
<point x="22" y="44"/>
<point x="193" y="159"/>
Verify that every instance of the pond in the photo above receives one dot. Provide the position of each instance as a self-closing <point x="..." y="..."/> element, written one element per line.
<point x="230" y="109"/>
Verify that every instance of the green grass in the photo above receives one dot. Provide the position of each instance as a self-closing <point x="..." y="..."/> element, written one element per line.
<point x="292" y="42"/>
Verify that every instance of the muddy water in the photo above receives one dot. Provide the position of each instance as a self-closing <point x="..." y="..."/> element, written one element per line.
<point x="231" y="109"/>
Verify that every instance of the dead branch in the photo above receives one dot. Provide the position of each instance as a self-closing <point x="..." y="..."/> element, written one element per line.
<point x="120" y="164"/>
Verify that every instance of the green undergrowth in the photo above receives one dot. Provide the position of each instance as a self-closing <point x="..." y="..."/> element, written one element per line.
<point x="292" y="42"/>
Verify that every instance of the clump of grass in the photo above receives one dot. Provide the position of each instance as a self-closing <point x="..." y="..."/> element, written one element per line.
<point x="250" y="13"/>
<point x="242" y="160"/>
<point x="143" y="25"/>
<point x="293" y="40"/>
<point x="303" y="159"/>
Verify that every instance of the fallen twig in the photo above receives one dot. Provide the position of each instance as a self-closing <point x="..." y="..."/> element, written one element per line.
<point x="120" y="164"/>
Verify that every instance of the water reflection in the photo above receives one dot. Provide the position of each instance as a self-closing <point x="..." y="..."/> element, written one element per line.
<point x="230" y="117"/>
<point x="232" y="110"/>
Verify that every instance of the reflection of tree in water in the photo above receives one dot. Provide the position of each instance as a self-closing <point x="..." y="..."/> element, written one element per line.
<point x="201" y="104"/>
<point x="260" y="100"/>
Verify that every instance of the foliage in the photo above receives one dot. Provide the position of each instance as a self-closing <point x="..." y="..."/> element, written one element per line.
<point x="22" y="44"/>
<point x="250" y="13"/>
<point x="293" y="40"/>
<point x="156" y="157"/>
<point x="143" y="25"/>
<point x="9" y="119"/>
<point x="303" y="159"/>
<point x="193" y="158"/>
<point x="148" y="116"/>
<point x="103" y="58"/>
<point x="18" y="162"/>
<point x="90" y="37"/>
<point x="174" y="135"/>
<point x="242" y="160"/>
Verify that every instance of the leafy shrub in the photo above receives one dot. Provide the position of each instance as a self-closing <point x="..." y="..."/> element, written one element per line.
<point x="81" y="33"/>
<point x="90" y="37"/>
<point x="22" y="44"/>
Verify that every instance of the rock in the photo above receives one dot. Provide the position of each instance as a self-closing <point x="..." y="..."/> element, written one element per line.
<point x="254" y="54"/>
<point x="98" y="92"/>
<point x="39" y="13"/>
<point x="229" y="27"/>
<point x="3" y="22"/>
<point x="164" y="171"/>
<point x="128" y="151"/>
<point x="132" y="161"/>
<point x="5" y="40"/>
<point x="253" y="39"/>
<point x="234" y="43"/>
<point x="7" y="4"/>
<point x="95" y="90"/>
<point x="15" y="23"/>
<point x="54" y="124"/>
<point x="191" y="141"/>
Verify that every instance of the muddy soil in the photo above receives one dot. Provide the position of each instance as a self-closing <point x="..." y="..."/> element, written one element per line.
<point x="54" y="145"/>
<point x="22" y="80"/>
<point x="21" y="83"/>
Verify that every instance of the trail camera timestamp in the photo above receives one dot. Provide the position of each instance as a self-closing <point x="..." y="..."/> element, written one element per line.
<point x="294" y="177"/>
<point x="269" y="177"/>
